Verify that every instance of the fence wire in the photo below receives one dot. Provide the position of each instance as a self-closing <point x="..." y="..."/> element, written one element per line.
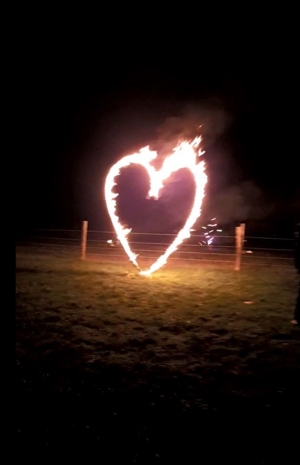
<point x="258" y="251"/>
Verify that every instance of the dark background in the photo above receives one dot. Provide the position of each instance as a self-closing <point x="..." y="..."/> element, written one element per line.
<point x="96" y="87"/>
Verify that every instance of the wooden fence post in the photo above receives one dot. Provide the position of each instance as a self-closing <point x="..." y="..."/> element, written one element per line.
<point x="83" y="239"/>
<point x="243" y="227"/>
<point x="239" y="240"/>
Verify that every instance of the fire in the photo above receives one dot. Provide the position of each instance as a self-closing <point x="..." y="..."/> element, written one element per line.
<point x="184" y="156"/>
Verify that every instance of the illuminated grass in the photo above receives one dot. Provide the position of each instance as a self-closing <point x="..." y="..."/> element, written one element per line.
<point x="200" y="340"/>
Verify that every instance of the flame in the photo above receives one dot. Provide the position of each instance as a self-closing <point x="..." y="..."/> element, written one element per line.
<point x="184" y="156"/>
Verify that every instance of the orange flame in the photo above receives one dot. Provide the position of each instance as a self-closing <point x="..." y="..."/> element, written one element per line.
<point x="184" y="156"/>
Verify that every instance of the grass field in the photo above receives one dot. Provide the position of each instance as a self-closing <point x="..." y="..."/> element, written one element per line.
<point x="191" y="365"/>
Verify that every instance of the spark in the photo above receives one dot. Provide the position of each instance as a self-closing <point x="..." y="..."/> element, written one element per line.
<point x="208" y="238"/>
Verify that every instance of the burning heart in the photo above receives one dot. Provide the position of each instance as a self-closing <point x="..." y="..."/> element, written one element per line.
<point x="184" y="156"/>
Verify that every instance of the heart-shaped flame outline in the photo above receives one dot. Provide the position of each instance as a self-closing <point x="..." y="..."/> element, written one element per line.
<point x="183" y="156"/>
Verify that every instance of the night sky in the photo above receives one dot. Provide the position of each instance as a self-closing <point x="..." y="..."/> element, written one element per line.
<point x="88" y="98"/>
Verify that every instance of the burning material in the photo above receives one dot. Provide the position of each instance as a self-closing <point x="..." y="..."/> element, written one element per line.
<point x="184" y="156"/>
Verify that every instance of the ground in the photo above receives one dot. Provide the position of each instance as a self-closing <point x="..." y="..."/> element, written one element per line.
<point x="192" y="365"/>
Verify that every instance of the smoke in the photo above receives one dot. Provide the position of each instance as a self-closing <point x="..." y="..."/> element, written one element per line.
<point x="243" y="202"/>
<point x="229" y="196"/>
<point x="210" y="121"/>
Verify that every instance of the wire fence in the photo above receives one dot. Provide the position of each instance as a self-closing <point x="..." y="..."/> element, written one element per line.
<point x="103" y="245"/>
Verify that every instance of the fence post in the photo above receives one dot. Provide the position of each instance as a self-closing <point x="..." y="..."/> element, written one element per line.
<point x="243" y="227"/>
<point x="239" y="240"/>
<point x="83" y="239"/>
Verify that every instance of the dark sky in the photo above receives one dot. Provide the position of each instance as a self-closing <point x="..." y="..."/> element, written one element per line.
<point x="87" y="99"/>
